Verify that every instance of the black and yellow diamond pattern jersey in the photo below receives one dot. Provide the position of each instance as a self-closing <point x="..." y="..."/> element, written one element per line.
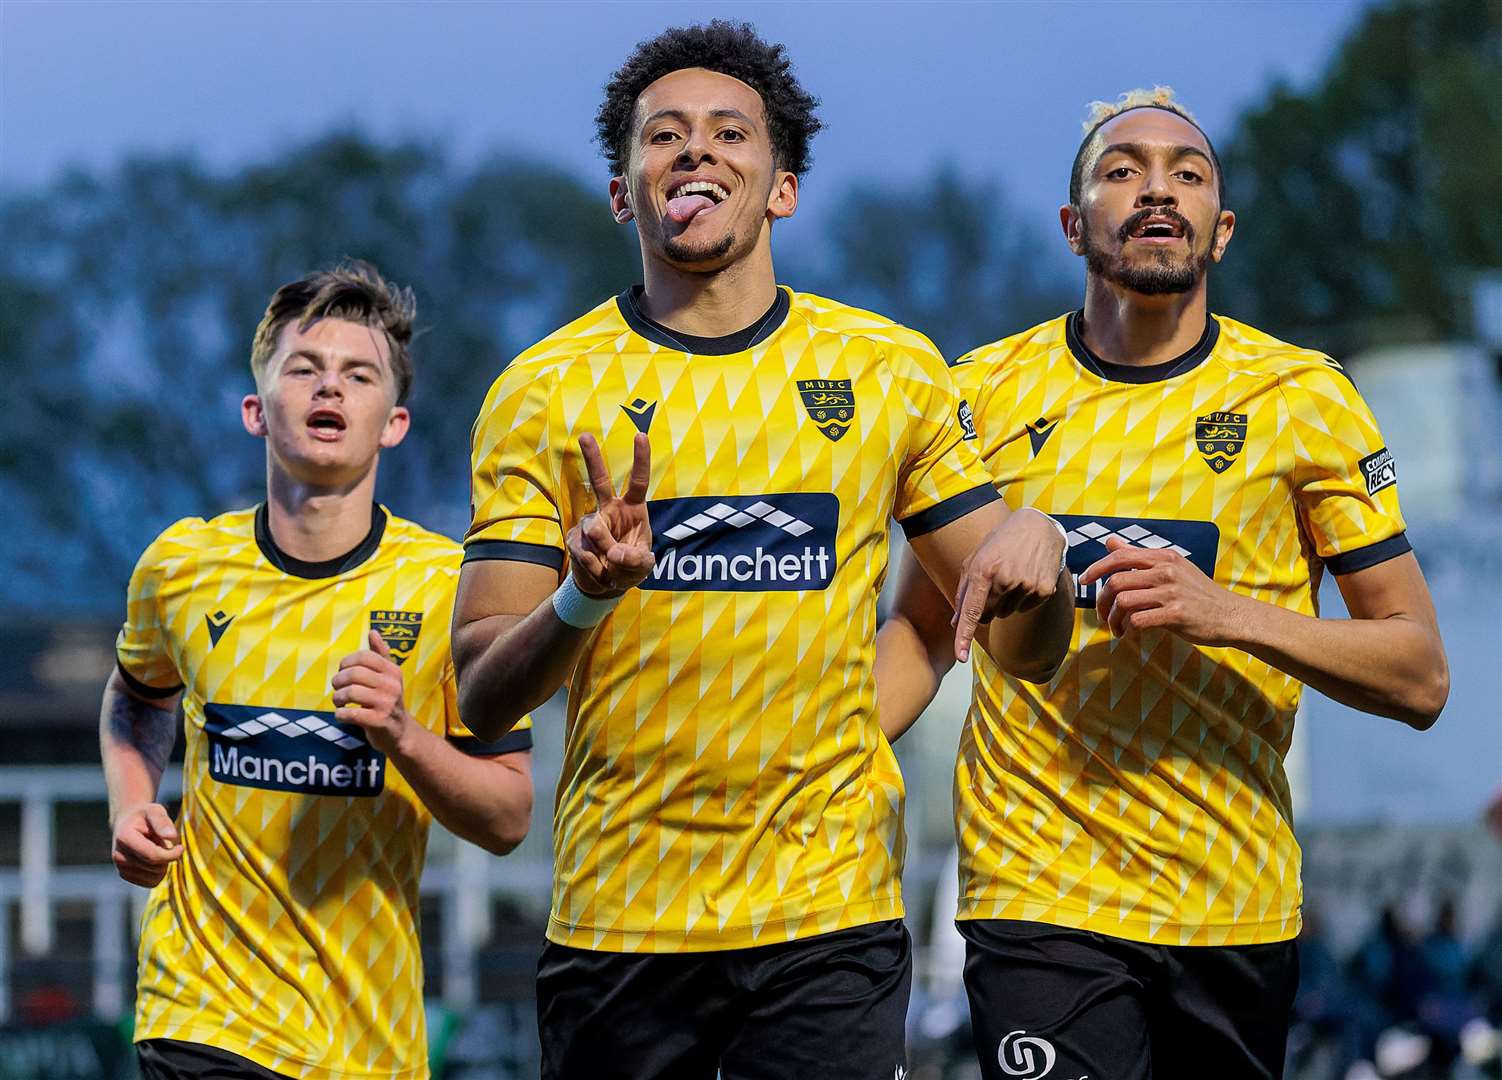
<point x="1141" y="793"/>
<point x="287" y="933"/>
<point x="725" y="781"/>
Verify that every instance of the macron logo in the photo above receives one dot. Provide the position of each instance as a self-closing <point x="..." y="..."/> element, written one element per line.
<point x="1134" y="534"/>
<point x="750" y="543"/>
<point x="306" y="752"/>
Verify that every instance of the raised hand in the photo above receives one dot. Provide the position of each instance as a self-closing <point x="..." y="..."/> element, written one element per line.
<point x="610" y="550"/>
<point x="1016" y="568"/>
<point x="368" y="692"/>
<point x="145" y="845"/>
<point x="1161" y="590"/>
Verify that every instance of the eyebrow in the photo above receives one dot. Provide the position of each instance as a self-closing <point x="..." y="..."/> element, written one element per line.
<point x="680" y="115"/>
<point x="342" y="361"/>
<point x="1141" y="151"/>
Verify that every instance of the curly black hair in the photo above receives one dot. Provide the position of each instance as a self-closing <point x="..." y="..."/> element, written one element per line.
<point x="732" y="49"/>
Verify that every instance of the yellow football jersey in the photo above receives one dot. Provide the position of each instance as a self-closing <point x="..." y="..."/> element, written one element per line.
<point x="1141" y="793"/>
<point x="725" y="781"/>
<point x="287" y="932"/>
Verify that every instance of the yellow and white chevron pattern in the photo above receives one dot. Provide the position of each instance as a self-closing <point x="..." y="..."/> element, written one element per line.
<point x="287" y="933"/>
<point x="725" y="782"/>
<point x="1141" y="793"/>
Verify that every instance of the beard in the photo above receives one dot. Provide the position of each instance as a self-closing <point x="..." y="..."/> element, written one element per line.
<point x="676" y="249"/>
<point x="1166" y="272"/>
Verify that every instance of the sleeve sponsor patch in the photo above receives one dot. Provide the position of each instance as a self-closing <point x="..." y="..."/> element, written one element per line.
<point x="967" y="421"/>
<point x="1380" y="470"/>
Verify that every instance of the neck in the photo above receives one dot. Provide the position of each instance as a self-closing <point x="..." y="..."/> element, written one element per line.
<point x="1126" y="327"/>
<point x="315" y="522"/>
<point x="710" y="304"/>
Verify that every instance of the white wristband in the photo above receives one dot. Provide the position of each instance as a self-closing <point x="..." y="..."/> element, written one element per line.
<point x="1063" y="533"/>
<point x="580" y="611"/>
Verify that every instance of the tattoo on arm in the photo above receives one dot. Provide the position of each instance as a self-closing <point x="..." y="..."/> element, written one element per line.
<point x="148" y="730"/>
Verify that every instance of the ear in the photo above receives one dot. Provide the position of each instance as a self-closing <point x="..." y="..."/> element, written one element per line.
<point x="620" y="200"/>
<point x="1225" y="225"/>
<point x="396" y="427"/>
<point x="1073" y="224"/>
<point x="782" y="201"/>
<point x="253" y="415"/>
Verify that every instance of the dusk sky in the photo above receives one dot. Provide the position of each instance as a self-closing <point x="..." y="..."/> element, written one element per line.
<point x="997" y="90"/>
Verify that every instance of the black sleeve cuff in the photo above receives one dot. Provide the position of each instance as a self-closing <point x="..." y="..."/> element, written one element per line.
<point x="514" y="551"/>
<point x="951" y="509"/>
<point x="1348" y="562"/>
<point x="509" y="743"/>
<point x="155" y="693"/>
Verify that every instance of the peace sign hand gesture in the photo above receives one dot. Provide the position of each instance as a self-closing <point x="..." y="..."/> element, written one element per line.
<point x="610" y="550"/>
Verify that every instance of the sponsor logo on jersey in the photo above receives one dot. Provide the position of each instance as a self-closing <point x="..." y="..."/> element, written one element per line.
<point x="830" y="404"/>
<point x="1197" y="541"/>
<point x="1380" y="470"/>
<point x="399" y="630"/>
<point x="1219" y="437"/>
<point x="967" y="421"/>
<point x="1039" y="431"/>
<point x="297" y="750"/>
<point x="218" y="623"/>
<point x="1026" y="1056"/>
<point x="640" y="411"/>
<point x="744" y="543"/>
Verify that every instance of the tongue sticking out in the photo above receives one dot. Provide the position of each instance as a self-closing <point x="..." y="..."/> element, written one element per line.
<point x="684" y="207"/>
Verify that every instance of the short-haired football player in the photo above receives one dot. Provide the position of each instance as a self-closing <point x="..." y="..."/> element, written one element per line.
<point x="728" y="831"/>
<point x="308" y="641"/>
<point x="1129" y="876"/>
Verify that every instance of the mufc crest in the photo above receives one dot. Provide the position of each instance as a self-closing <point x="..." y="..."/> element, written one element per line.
<point x="399" y="630"/>
<point x="830" y="404"/>
<point x="1219" y="437"/>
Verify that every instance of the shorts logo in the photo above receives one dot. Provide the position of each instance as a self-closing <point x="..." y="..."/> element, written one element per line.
<point x="744" y="543"/>
<point x="218" y="623"/>
<point x="1219" y="437"/>
<point x="967" y="422"/>
<point x="1380" y="470"/>
<point x="830" y="403"/>
<point x="1197" y="541"/>
<point x="399" y="630"/>
<point x="295" y="750"/>
<point x="1024" y="1055"/>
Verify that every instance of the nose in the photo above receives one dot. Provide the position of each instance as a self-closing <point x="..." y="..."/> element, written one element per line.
<point x="1156" y="190"/>
<point x="696" y="149"/>
<point x="328" y="385"/>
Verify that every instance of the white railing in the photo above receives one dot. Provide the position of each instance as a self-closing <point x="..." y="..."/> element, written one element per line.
<point x="465" y="878"/>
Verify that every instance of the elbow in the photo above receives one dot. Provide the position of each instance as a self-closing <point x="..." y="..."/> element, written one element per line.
<point x="1428" y="699"/>
<point x="510" y="831"/>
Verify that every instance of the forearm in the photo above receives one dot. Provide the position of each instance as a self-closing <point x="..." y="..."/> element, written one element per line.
<point x="908" y="674"/>
<point x="1392" y="667"/>
<point x="508" y="666"/>
<point x="482" y="799"/>
<point x="135" y="743"/>
<point x="1031" y="645"/>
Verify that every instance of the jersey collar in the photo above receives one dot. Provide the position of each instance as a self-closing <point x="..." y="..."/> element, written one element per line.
<point x="1138" y="373"/>
<point x="326" y="568"/>
<point x="769" y="323"/>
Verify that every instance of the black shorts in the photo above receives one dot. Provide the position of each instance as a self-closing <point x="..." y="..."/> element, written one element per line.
<point x="169" y="1059"/>
<point x="1050" y="1001"/>
<point x="823" y="1008"/>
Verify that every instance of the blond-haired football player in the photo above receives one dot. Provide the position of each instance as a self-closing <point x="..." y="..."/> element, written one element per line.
<point x="307" y="639"/>
<point x="1129" y="877"/>
<point x="728" y="832"/>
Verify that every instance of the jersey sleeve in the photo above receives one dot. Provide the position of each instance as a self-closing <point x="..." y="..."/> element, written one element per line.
<point x="942" y="477"/>
<point x="1345" y="478"/>
<point x="518" y="738"/>
<point x="142" y="648"/>
<point x="513" y="478"/>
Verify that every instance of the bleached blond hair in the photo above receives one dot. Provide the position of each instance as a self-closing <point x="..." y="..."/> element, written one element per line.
<point x="1099" y="113"/>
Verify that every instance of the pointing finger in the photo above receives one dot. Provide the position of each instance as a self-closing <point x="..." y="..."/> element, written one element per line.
<point x="968" y="614"/>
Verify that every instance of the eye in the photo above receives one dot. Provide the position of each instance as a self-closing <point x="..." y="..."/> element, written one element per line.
<point x="300" y="369"/>
<point x="664" y="135"/>
<point x="361" y="377"/>
<point x="1190" y="176"/>
<point x="1121" y="172"/>
<point x="733" y="135"/>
